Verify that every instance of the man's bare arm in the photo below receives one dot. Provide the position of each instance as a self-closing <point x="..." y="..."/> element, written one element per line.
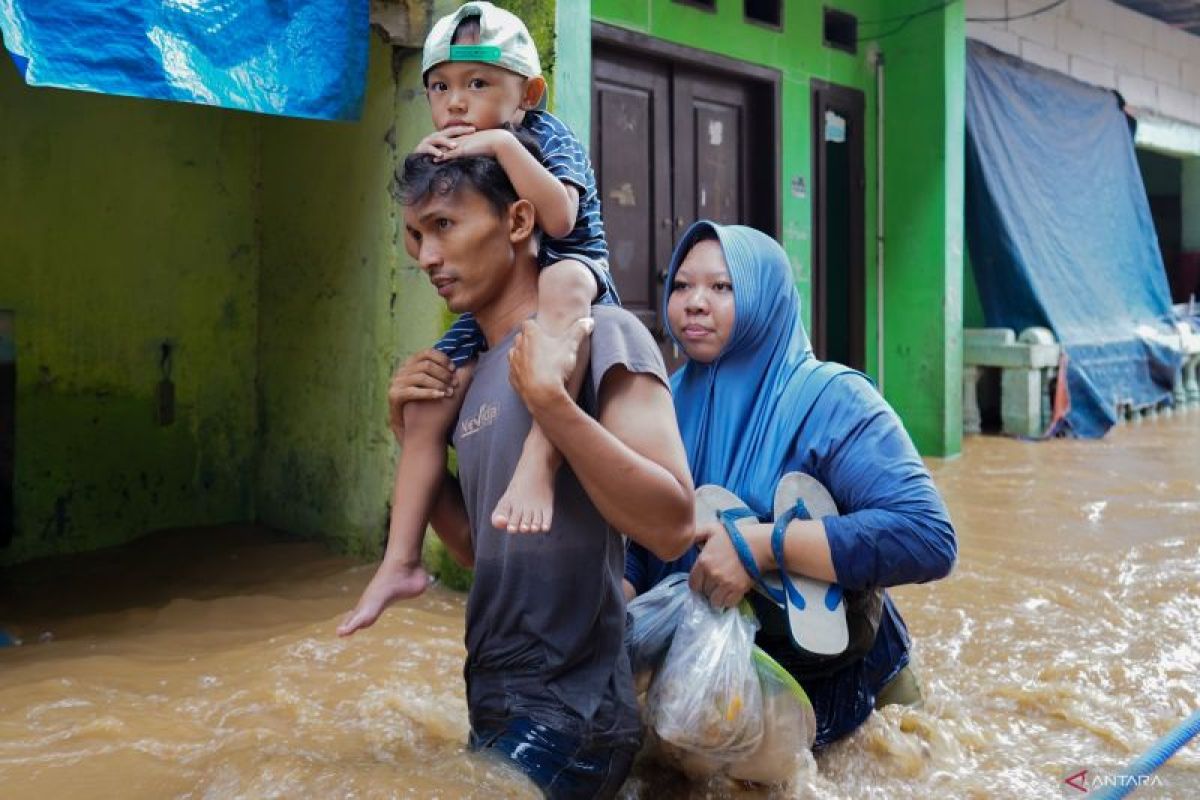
<point x="630" y="460"/>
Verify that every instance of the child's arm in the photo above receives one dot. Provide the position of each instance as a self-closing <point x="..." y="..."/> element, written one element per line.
<point x="417" y="493"/>
<point x="451" y="523"/>
<point x="556" y="202"/>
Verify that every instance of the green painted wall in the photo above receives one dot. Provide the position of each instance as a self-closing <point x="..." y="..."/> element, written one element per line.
<point x="924" y="171"/>
<point x="341" y="304"/>
<point x="572" y="95"/>
<point x="799" y="55"/>
<point x="924" y="225"/>
<point x="124" y="223"/>
<point x="268" y="251"/>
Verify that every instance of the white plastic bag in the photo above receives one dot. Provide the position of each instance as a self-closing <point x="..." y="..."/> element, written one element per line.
<point x="652" y="620"/>
<point x="705" y="704"/>
<point x="789" y="726"/>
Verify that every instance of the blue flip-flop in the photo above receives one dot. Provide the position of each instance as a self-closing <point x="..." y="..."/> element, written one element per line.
<point x="718" y="503"/>
<point x="816" y="610"/>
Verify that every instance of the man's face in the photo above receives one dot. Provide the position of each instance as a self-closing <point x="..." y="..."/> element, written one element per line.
<point x="476" y="94"/>
<point x="463" y="245"/>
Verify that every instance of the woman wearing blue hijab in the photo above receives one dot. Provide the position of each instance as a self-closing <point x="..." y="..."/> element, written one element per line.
<point x="753" y="405"/>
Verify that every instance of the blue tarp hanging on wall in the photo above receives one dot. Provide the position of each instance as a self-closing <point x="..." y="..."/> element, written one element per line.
<point x="1060" y="232"/>
<point x="303" y="58"/>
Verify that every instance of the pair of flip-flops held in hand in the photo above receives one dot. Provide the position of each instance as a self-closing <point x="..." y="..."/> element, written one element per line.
<point x="816" y="610"/>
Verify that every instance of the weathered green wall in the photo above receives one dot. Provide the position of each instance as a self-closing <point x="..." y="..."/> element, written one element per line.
<point x="340" y="305"/>
<point x="923" y="252"/>
<point x="924" y="131"/>
<point x="267" y="251"/>
<point x="124" y="223"/>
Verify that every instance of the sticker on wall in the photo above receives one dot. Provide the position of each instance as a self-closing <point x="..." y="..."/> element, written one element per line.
<point x="799" y="188"/>
<point x="716" y="132"/>
<point x="623" y="195"/>
<point x="835" y="127"/>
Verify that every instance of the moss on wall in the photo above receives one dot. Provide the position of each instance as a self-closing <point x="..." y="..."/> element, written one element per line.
<point x="267" y="252"/>
<point x="125" y="224"/>
<point x="340" y="306"/>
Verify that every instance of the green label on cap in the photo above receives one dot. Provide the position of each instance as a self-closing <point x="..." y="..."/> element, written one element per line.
<point x="475" y="52"/>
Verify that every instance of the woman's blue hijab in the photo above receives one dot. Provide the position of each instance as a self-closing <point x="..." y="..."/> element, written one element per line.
<point x="740" y="415"/>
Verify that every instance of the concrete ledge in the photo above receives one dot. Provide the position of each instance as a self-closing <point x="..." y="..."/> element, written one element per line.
<point x="1028" y="364"/>
<point x="1187" y="382"/>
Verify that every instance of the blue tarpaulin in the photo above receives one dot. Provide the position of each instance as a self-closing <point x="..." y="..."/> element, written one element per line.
<point x="303" y="58"/>
<point x="1060" y="232"/>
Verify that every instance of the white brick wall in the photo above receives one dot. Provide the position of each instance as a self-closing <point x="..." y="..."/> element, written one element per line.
<point x="1154" y="66"/>
<point x="1162" y="68"/>
<point x="1091" y="72"/>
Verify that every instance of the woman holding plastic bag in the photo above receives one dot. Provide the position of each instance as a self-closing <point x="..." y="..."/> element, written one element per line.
<point x="768" y="429"/>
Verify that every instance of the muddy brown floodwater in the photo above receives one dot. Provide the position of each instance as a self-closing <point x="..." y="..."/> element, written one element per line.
<point x="202" y="663"/>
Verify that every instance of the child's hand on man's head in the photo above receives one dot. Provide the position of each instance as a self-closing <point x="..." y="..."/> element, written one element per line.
<point x="476" y="143"/>
<point x="438" y="143"/>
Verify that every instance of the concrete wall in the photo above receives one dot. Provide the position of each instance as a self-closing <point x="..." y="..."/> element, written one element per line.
<point x="1154" y="66"/>
<point x="123" y="224"/>
<point x="267" y="252"/>
<point x="341" y="305"/>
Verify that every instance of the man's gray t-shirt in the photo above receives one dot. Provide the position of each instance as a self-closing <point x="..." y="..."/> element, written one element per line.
<point x="546" y="613"/>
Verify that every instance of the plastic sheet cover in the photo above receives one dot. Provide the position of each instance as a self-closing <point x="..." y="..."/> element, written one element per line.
<point x="1060" y="232"/>
<point x="303" y="58"/>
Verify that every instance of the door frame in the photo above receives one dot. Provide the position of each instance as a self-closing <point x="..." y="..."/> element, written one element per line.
<point x="766" y="82"/>
<point x="852" y="104"/>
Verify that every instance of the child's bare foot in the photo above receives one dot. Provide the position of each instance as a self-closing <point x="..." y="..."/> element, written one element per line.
<point x="527" y="505"/>
<point x="389" y="585"/>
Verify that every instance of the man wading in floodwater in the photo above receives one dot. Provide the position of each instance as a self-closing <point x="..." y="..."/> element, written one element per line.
<point x="548" y="679"/>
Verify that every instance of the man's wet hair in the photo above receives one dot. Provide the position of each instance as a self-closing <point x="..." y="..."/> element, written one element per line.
<point x="422" y="178"/>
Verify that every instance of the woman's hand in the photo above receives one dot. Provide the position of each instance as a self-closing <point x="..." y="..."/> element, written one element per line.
<point x="718" y="574"/>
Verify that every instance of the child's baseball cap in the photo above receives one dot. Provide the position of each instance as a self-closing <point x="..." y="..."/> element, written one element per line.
<point x="503" y="40"/>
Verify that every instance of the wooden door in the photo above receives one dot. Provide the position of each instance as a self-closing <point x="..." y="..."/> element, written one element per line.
<point x="839" y="257"/>
<point x="672" y="139"/>
<point x="630" y="135"/>
<point x="711" y="175"/>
